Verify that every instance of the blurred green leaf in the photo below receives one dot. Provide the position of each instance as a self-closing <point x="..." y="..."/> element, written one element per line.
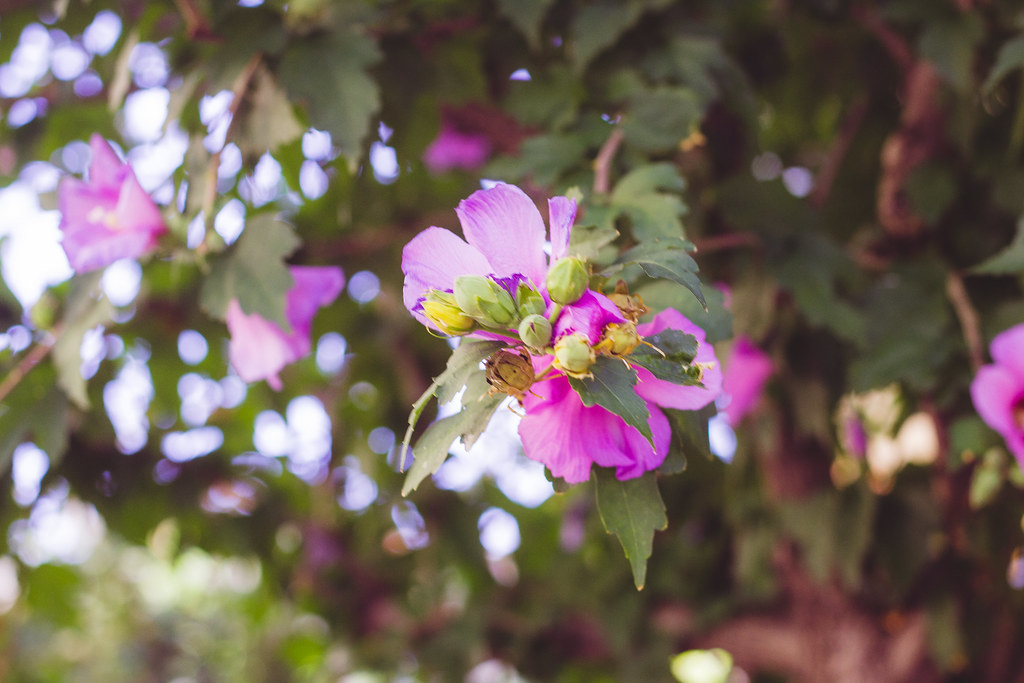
<point x="1010" y="58"/>
<point x="87" y="308"/>
<point x="266" y="119"/>
<point x="632" y="510"/>
<point x="1007" y="262"/>
<point x="950" y="45"/>
<point x="659" y="120"/>
<point x="528" y="17"/>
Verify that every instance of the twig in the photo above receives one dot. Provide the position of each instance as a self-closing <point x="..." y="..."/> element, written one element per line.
<point x="603" y="162"/>
<point x="830" y="169"/>
<point x="893" y="42"/>
<point x="734" y="240"/>
<point x="29" y="361"/>
<point x="968" y="316"/>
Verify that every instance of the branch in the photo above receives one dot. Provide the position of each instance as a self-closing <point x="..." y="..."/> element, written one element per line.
<point x="968" y="316"/>
<point x="830" y="169"/>
<point x="29" y="361"/>
<point x="603" y="162"/>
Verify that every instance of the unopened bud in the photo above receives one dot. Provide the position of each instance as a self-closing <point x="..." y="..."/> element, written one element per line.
<point x="484" y="299"/>
<point x="574" y="356"/>
<point x="441" y="309"/>
<point x="529" y="301"/>
<point x="618" y="339"/>
<point x="509" y="372"/>
<point x="567" y="280"/>
<point x="535" y="331"/>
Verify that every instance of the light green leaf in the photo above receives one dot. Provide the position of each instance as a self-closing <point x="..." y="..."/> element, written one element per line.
<point x="87" y="308"/>
<point x="463" y="364"/>
<point x="611" y="387"/>
<point x="253" y="272"/>
<point x="1009" y="261"/>
<point x="987" y="479"/>
<point x="327" y="73"/>
<point x="663" y="259"/>
<point x="648" y="197"/>
<point x="1010" y="58"/>
<point x="431" y="450"/>
<point x="633" y="511"/>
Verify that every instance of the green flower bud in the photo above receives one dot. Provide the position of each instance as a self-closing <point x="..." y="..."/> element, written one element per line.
<point x="509" y="372"/>
<point x="485" y="300"/>
<point x="574" y="356"/>
<point x="441" y="309"/>
<point x="618" y="339"/>
<point x="567" y="280"/>
<point x="535" y="331"/>
<point x="529" y="301"/>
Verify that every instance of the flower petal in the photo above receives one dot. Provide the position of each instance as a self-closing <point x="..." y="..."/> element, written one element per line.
<point x="258" y="348"/>
<point x="432" y="260"/>
<point x="744" y="377"/>
<point x="505" y="226"/>
<point x="640" y="457"/>
<point x="314" y="287"/>
<point x="669" y="395"/>
<point x="106" y="168"/>
<point x="589" y="316"/>
<point x="561" y="216"/>
<point x="1008" y="350"/>
<point x="136" y="211"/>
<point x="995" y="390"/>
<point x="550" y="431"/>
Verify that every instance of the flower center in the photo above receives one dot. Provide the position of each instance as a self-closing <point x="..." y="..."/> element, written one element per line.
<point x="99" y="215"/>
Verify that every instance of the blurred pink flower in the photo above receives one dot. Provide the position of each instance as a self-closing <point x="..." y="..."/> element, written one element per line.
<point x="998" y="389"/>
<point x="453" y="148"/>
<point x="746" y="372"/>
<point x="259" y="349"/>
<point x="109" y="216"/>
<point x="568" y="437"/>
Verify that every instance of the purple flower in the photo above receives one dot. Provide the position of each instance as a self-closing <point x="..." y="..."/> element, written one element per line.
<point x="998" y="389"/>
<point x="746" y="372"/>
<point x="260" y="348"/>
<point x="505" y="238"/>
<point x="453" y="148"/>
<point x="108" y="217"/>
<point x="568" y="437"/>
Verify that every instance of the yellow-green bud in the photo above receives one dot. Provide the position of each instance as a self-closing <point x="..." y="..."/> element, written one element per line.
<point x="441" y="309"/>
<point x="529" y="301"/>
<point x="567" y="280"/>
<point x="574" y="356"/>
<point x="509" y="372"/>
<point x="484" y="299"/>
<point x="618" y="339"/>
<point x="535" y="331"/>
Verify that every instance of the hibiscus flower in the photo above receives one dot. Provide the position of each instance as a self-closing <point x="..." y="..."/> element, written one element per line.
<point x="568" y="437"/>
<point x="998" y="389"/>
<point x="109" y="216"/>
<point x="745" y="374"/>
<point x="259" y="348"/>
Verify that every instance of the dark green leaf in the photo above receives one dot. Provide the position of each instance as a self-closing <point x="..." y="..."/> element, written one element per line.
<point x="949" y="45"/>
<point x="527" y="15"/>
<point x="266" y="119"/>
<point x="648" y="197"/>
<point x="327" y="73"/>
<point x="664" y="259"/>
<point x="611" y="387"/>
<point x="1009" y="261"/>
<point x="35" y="411"/>
<point x="658" y="121"/>
<point x="253" y="272"/>
<point x="679" y="349"/>
<point x="633" y="511"/>
<point x="1010" y="58"/>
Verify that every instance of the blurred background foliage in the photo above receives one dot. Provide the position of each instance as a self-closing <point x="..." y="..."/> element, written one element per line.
<point x="850" y="171"/>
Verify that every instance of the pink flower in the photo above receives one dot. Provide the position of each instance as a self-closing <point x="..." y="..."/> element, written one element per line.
<point x="453" y="148"/>
<point x="259" y="348"/>
<point x="746" y="372"/>
<point x="568" y="437"/>
<point x="998" y="389"/>
<point x="108" y="217"/>
<point x="505" y="237"/>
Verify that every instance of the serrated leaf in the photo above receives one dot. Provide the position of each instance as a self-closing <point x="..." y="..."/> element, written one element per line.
<point x="463" y="364"/>
<point x="659" y="120"/>
<point x="266" y="119"/>
<point x="633" y="511"/>
<point x="327" y="73"/>
<point x="1007" y="262"/>
<point x="660" y="259"/>
<point x="674" y="366"/>
<point x="87" y="308"/>
<point x="431" y="450"/>
<point x="646" y="196"/>
<point x="611" y="387"/>
<point x="253" y="272"/>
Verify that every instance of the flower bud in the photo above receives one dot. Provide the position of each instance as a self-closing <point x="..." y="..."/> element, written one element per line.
<point x="440" y="308"/>
<point x="529" y="301"/>
<point x="574" y="356"/>
<point x="510" y="372"/>
<point x="567" y="280"/>
<point x="485" y="300"/>
<point x="535" y="331"/>
<point x="618" y="339"/>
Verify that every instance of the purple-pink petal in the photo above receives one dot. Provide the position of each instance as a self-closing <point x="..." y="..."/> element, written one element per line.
<point x="106" y="169"/>
<point x="589" y="316"/>
<point x="995" y="391"/>
<point x="561" y="216"/>
<point x="454" y="149"/>
<point x="1008" y="350"/>
<point x="670" y="395"/>
<point x="504" y="225"/>
<point x="744" y="377"/>
<point x="432" y="260"/>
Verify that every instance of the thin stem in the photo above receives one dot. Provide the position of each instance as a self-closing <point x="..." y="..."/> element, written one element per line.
<point x="29" y="361"/>
<point x="968" y="316"/>
<point x="414" y="417"/>
<point x="603" y="161"/>
<point x="555" y="312"/>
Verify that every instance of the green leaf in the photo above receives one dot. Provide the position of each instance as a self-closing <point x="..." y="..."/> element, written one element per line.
<point x="648" y="197"/>
<point x="462" y="365"/>
<point x="253" y="272"/>
<point x="432" y="448"/>
<point x="87" y="308"/>
<point x="1010" y="58"/>
<point x="611" y="387"/>
<point x="266" y="119"/>
<point x="527" y="15"/>
<point x="675" y="366"/>
<point x="327" y="73"/>
<point x="987" y="479"/>
<point x="659" y="120"/>
<point x="35" y="411"/>
<point x="599" y="25"/>
<point x="949" y="45"/>
<point x="668" y="260"/>
<point x="1009" y="261"/>
<point x="633" y="511"/>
